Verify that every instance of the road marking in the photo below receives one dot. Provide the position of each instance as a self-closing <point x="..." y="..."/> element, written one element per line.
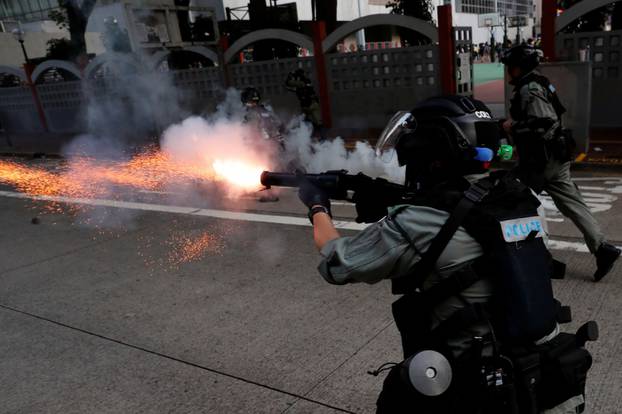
<point x="192" y="211"/>
<point x="233" y="215"/>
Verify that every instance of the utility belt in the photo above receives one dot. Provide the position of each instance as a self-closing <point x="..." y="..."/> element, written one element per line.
<point x="489" y="377"/>
<point x="536" y="148"/>
<point x="549" y="374"/>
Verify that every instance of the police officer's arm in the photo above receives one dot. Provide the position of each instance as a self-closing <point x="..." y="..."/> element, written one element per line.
<point x="380" y="251"/>
<point x="323" y="230"/>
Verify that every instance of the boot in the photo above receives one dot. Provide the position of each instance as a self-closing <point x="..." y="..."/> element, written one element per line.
<point x="606" y="255"/>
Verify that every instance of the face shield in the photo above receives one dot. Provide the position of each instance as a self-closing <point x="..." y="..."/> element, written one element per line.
<point x="402" y="122"/>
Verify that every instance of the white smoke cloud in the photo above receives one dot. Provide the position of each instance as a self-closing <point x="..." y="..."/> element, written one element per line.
<point x="319" y="156"/>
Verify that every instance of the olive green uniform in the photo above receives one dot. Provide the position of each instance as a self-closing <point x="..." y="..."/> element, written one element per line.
<point x="381" y="252"/>
<point x="535" y="103"/>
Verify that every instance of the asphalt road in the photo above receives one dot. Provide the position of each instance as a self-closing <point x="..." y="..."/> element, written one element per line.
<point x="181" y="303"/>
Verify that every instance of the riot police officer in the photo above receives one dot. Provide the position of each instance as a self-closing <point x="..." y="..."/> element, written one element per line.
<point x="260" y="117"/>
<point x="545" y="149"/>
<point x="465" y="250"/>
<point x="268" y="133"/>
<point x="297" y="81"/>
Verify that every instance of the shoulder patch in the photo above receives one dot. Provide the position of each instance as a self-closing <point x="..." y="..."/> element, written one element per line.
<point x="535" y="86"/>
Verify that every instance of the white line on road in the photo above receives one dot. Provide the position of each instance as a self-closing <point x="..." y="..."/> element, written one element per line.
<point x="193" y="211"/>
<point x="233" y="215"/>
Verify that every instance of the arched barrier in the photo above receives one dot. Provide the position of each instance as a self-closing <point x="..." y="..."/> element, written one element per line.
<point x="15" y="71"/>
<point x="205" y="52"/>
<point x="115" y="58"/>
<point x="362" y="89"/>
<point x="158" y="57"/>
<point x="265" y="34"/>
<point x="578" y="10"/>
<point x="408" y="22"/>
<point x="52" y="64"/>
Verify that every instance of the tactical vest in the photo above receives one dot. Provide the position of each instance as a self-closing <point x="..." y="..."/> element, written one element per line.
<point x="500" y="213"/>
<point x="507" y="226"/>
<point x="516" y="111"/>
<point x="537" y="140"/>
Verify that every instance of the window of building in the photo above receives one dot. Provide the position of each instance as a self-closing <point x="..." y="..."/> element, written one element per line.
<point x="475" y="6"/>
<point x="515" y="7"/>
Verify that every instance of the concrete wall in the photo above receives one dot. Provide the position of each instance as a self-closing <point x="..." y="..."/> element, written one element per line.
<point x="367" y="88"/>
<point x="573" y="81"/>
<point x="604" y="50"/>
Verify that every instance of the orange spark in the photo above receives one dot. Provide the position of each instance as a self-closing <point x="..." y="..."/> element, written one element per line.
<point x="153" y="170"/>
<point x="185" y="248"/>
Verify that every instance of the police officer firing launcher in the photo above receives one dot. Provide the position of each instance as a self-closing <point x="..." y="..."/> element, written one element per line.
<point x="545" y="150"/>
<point x="477" y="316"/>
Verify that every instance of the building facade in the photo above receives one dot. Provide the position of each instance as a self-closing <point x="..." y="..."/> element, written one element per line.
<point x="147" y="24"/>
<point x="467" y="12"/>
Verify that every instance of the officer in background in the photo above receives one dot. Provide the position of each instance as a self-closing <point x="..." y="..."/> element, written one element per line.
<point x="268" y="132"/>
<point x="298" y="82"/>
<point x="466" y="251"/>
<point x="545" y="149"/>
<point x="260" y="117"/>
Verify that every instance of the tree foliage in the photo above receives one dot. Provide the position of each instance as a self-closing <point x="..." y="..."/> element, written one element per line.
<point x="60" y="49"/>
<point x="72" y="16"/>
<point x="421" y="9"/>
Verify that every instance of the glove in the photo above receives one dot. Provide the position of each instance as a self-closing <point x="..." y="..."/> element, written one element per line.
<point x="312" y="195"/>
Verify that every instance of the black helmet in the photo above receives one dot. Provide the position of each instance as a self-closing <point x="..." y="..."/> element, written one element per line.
<point x="443" y="136"/>
<point x="525" y="57"/>
<point x="250" y="95"/>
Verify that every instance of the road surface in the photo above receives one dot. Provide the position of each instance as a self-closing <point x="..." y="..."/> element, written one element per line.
<point x="165" y="302"/>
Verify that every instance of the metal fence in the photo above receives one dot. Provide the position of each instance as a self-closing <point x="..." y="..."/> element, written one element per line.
<point x="603" y="50"/>
<point x="366" y="88"/>
<point x="200" y="90"/>
<point x="18" y="111"/>
<point x="62" y="103"/>
<point x="269" y="79"/>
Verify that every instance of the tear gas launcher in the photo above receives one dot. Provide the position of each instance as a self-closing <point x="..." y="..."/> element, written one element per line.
<point x="372" y="196"/>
